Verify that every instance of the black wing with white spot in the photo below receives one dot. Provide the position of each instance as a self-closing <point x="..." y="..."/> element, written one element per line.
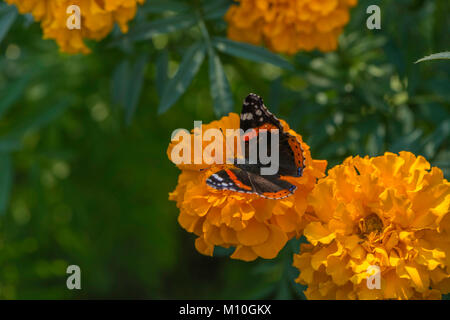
<point x="255" y="114"/>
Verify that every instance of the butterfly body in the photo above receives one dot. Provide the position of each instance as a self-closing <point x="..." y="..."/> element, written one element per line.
<point x="247" y="177"/>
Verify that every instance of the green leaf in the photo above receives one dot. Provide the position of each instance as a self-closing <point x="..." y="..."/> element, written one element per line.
<point x="135" y="87"/>
<point x="432" y="143"/>
<point x="275" y="94"/>
<point x="6" y="177"/>
<point x="7" y="18"/>
<point x="127" y="85"/>
<point x="216" y="9"/>
<point x="220" y="252"/>
<point x="37" y="121"/>
<point x="220" y="87"/>
<point x="189" y="66"/>
<point x="14" y="92"/>
<point x="120" y="82"/>
<point x="161" y="6"/>
<point x="435" y="56"/>
<point x="162" y="26"/>
<point x="162" y="69"/>
<point x="410" y="142"/>
<point x="8" y="145"/>
<point x="250" y="52"/>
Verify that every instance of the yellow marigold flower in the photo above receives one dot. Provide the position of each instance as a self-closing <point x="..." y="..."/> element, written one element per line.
<point x="289" y="26"/>
<point x="391" y="212"/>
<point x="97" y="19"/>
<point x="255" y="226"/>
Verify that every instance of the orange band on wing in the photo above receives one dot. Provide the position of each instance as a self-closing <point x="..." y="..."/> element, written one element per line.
<point x="236" y="180"/>
<point x="267" y="126"/>
<point x="254" y="133"/>
<point x="298" y="151"/>
<point x="277" y="195"/>
<point x="250" y="135"/>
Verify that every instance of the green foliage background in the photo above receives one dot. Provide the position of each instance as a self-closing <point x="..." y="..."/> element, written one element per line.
<point x="84" y="176"/>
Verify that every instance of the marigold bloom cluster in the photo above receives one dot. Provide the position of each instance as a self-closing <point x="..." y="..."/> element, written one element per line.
<point x="289" y="26"/>
<point x="255" y="226"/>
<point x="97" y="19"/>
<point x="390" y="211"/>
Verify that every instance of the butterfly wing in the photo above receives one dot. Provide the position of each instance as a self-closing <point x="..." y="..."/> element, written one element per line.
<point x="255" y="115"/>
<point x="239" y="180"/>
<point x="292" y="159"/>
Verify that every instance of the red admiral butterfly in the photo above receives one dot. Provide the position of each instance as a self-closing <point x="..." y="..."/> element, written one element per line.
<point x="246" y="177"/>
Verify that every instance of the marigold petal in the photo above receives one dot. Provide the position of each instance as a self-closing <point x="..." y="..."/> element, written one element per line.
<point x="187" y="221"/>
<point x="203" y="247"/>
<point x="244" y="253"/>
<point x="315" y="232"/>
<point x="276" y="241"/>
<point x="255" y="233"/>
<point x="420" y="279"/>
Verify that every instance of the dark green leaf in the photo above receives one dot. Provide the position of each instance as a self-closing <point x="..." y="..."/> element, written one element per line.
<point x="223" y="252"/>
<point x="162" y="26"/>
<point x="127" y="85"/>
<point x="275" y="94"/>
<point x="189" y="66"/>
<point x="6" y="176"/>
<point x="408" y="143"/>
<point x="250" y="52"/>
<point x="160" y="6"/>
<point x="28" y="20"/>
<point x="435" y="56"/>
<point x="283" y="292"/>
<point x="37" y="121"/>
<point x="216" y="9"/>
<point x="135" y="87"/>
<point x="432" y="143"/>
<point x="8" y="145"/>
<point x="120" y="81"/>
<point x="162" y="69"/>
<point x="220" y="87"/>
<point x="14" y="92"/>
<point x="7" y="18"/>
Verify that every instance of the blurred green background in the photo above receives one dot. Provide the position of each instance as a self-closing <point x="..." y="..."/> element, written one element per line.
<point x="84" y="176"/>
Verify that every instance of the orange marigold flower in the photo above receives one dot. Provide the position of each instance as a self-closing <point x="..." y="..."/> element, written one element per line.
<point x="97" y="19"/>
<point x="255" y="226"/>
<point x="289" y="26"/>
<point x="390" y="212"/>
